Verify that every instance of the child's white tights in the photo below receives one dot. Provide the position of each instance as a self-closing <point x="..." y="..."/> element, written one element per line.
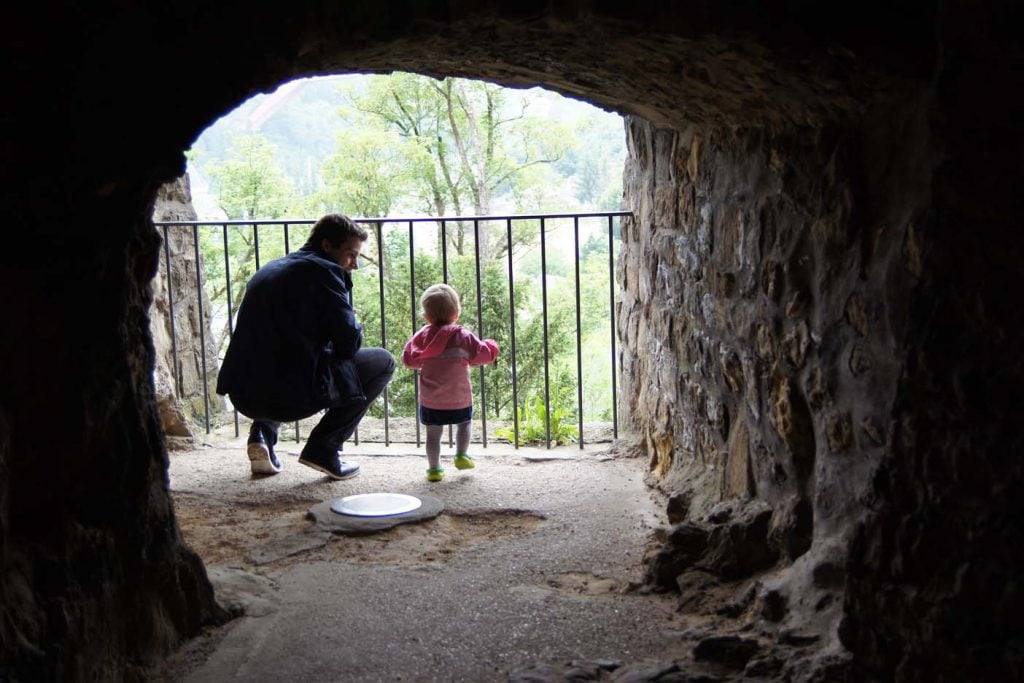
<point x="463" y="431"/>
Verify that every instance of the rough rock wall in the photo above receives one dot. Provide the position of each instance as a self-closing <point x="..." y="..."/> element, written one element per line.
<point x="818" y="330"/>
<point x="935" y="583"/>
<point x="762" y="314"/>
<point x="96" y="581"/>
<point x="179" y="357"/>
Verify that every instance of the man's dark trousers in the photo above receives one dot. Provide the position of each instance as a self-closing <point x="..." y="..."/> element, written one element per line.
<point x="375" y="367"/>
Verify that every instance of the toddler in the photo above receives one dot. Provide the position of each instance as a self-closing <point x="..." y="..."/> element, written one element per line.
<point x="443" y="351"/>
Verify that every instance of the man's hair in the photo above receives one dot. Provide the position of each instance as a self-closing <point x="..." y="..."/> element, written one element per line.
<point x="336" y="229"/>
<point x="440" y="304"/>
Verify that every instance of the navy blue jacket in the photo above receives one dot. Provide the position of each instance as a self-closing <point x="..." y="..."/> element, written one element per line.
<point x="295" y="337"/>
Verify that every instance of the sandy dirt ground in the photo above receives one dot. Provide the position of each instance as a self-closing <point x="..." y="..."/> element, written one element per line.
<point x="536" y="557"/>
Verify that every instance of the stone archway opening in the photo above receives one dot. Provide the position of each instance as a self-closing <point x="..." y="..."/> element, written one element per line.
<point x="710" y="203"/>
<point x="576" y="180"/>
<point x="230" y="530"/>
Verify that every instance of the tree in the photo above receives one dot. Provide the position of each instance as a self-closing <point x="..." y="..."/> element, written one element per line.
<point x="366" y="174"/>
<point x="249" y="184"/>
<point x="594" y="164"/>
<point x="248" y="248"/>
<point x="467" y="144"/>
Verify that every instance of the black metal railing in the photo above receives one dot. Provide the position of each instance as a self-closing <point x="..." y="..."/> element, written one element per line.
<point x="214" y="247"/>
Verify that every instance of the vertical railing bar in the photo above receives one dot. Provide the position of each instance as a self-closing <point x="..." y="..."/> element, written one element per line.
<point x="480" y="329"/>
<point x="202" y="327"/>
<point x="444" y="279"/>
<point x="288" y="250"/>
<point x="231" y="312"/>
<point x="512" y="333"/>
<point x="355" y="432"/>
<point x="444" y="251"/>
<point x="383" y="328"/>
<point x="611" y="307"/>
<point x="256" y="244"/>
<point x="256" y="255"/>
<point x="544" y="310"/>
<point x="412" y="300"/>
<point x="579" y="341"/>
<point x="170" y="304"/>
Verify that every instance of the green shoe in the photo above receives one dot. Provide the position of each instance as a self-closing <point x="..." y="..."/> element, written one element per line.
<point x="435" y="474"/>
<point x="464" y="462"/>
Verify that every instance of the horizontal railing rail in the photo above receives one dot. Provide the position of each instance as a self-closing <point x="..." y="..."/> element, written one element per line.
<point x="405" y="254"/>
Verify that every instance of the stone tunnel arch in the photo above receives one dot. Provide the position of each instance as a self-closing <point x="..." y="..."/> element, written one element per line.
<point x="798" y="180"/>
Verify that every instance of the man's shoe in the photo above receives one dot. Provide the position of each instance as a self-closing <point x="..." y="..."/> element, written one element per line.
<point x="262" y="458"/>
<point x="331" y="465"/>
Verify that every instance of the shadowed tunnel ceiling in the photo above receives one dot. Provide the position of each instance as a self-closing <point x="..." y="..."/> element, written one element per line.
<point x="742" y="64"/>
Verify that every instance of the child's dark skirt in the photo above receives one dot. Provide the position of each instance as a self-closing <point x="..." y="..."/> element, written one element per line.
<point x="432" y="416"/>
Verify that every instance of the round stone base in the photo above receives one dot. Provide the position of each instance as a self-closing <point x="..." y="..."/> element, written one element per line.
<point x="329" y="520"/>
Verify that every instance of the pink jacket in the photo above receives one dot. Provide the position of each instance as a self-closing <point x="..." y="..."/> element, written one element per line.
<point x="443" y="354"/>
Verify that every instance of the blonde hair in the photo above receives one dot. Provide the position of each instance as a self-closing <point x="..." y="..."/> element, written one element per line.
<point x="440" y="304"/>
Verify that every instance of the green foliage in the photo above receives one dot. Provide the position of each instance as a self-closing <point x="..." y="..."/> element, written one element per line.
<point x="595" y="163"/>
<point x="365" y="175"/>
<point x="534" y="425"/>
<point x="470" y="147"/>
<point x="465" y="143"/>
<point x="299" y="119"/>
<point x="250" y="184"/>
<point x="248" y="248"/>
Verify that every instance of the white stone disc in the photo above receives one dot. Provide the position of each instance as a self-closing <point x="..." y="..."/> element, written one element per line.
<point x="375" y="504"/>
